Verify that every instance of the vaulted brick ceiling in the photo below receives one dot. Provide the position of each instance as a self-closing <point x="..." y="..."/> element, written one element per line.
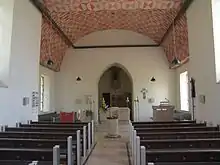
<point x="77" y="18"/>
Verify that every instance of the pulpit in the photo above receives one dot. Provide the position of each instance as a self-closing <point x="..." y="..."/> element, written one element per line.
<point x="163" y="112"/>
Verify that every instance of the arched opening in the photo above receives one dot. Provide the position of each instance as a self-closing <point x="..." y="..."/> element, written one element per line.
<point x="116" y="87"/>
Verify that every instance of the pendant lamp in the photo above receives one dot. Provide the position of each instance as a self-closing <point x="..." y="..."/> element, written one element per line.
<point x="49" y="62"/>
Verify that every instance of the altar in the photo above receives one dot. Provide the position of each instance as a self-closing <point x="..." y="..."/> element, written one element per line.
<point x="123" y="113"/>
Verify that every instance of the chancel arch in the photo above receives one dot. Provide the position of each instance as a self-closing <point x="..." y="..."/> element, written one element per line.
<point x="115" y="85"/>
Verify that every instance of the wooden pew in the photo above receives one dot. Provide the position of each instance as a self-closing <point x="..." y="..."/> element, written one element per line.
<point x="181" y="143"/>
<point x="88" y="132"/>
<point x="165" y="122"/>
<point x="177" y="129"/>
<point x="179" y="135"/>
<point x="39" y="135"/>
<point x="67" y="146"/>
<point x="56" y="122"/>
<point x="83" y="142"/>
<point x="176" y="150"/>
<point x="176" y="145"/>
<point x="78" y="125"/>
<point x="18" y="156"/>
<point x="48" y="116"/>
<point x="176" y="156"/>
<point x="42" y="129"/>
<point x="169" y="125"/>
<point x="166" y="145"/>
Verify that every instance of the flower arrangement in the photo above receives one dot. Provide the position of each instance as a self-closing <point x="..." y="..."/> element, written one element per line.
<point x="103" y="106"/>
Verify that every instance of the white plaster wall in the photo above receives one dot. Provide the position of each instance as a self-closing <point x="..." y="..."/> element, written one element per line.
<point x="51" y="91"/>
<point x="202" y="61"/>
<point x="24" y="64"/>
<point x="141" y="63"/>
<point x="6" y="21"/>
<point x="114" y="37"/>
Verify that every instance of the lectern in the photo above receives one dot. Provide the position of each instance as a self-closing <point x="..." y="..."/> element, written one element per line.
<point x="163" y="112"/>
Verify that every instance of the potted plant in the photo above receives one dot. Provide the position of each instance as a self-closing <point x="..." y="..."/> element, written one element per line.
<point x="102" y="111"/>
<point x="112" y="120"/>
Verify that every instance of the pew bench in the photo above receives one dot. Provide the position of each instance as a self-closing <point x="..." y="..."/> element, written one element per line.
<point x="72" y="125"/>
<point x="25" y="140"/>
<point x="179" y="156"/>
<point x="18" y="156"/>
<point x="71" y="149"/>
<point x="177" y="129"/>
<point x="55" y="122"/>
<point x="178" y="135"/>
<point x="168" y="144"/>
<point x="42" y="129"/>
<point x="165" y="122"/>
<point x="181" y="143"/>
<point x="57" y="134"/>
<point x="169" y="125"/>
<point x="90" y="130"/>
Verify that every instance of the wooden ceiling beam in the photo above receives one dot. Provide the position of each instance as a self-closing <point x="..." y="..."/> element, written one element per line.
<point x="115" y="46"/>
<point x="45" y="12"/>
<point x="183" y="9"/>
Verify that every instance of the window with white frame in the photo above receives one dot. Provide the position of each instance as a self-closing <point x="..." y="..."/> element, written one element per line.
<point x="184" y="91"/>
<point x="44" y="93"/>
<point x="216" y="35"/>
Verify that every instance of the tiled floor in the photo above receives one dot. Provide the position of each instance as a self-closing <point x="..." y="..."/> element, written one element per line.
<point x="110" y="151"/>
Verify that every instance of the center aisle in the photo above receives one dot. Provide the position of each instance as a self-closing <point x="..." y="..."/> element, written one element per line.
<point x="110" y="151"/>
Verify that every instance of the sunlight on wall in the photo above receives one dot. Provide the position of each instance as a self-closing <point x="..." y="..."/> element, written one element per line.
<point x="184" y="91"/>
<point x="6" y="19"/>
<point x="216" y="33"/>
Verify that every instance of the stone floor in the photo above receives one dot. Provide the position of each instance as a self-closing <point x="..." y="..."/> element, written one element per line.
<point x="110" y="151"/>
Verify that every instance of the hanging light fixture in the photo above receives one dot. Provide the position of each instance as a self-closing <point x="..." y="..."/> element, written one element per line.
<point x="153" y="79"/>
<point x="176" y="61"/>
<point x="78" y="79"/>
<point x="49" y="62"/>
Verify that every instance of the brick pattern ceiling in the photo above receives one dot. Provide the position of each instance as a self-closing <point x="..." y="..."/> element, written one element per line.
<point x="77" y="18"/>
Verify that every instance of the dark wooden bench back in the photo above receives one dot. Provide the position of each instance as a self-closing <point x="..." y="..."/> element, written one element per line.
<point x="79" y="126"/>
<point x="42" y="129"/>
<point x="181" y="143"/>
<point x="177" y="129"/>
<point x="38" y="135"/>
<point x="183" y="155"/>
<point x="165" y="122"/>
<point x="179" y="135"/>
<point x="169" y="125"/>
<point x="49" y="117"/>
<point x="26" y="154"/>
<point x="57" y="122"/>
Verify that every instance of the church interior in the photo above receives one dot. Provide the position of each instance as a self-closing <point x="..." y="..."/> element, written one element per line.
<point x="120" y="82"/>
